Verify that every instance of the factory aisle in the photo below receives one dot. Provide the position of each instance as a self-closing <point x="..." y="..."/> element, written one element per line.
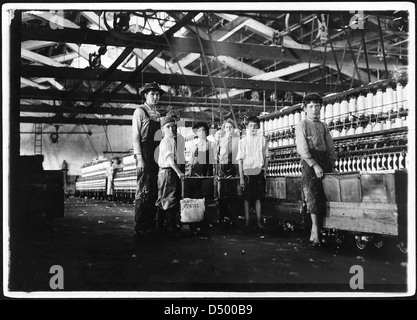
<point x="95" y="246"/>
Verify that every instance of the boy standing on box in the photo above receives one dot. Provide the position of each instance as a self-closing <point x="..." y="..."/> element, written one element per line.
<point x="169" y="176"/>
<point x="253" y="162"/>
<point x="316" y="149"/>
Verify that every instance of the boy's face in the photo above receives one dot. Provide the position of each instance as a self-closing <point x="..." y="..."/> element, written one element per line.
<point x="312" y="110"/>
<point x="170" y="129"/>
<point x="201" y="133"/>
<point x="252" y="128"/>
<point x="219" y="134"/>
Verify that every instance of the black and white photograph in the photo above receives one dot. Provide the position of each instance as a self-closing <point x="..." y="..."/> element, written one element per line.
<point x="208" y="150"/>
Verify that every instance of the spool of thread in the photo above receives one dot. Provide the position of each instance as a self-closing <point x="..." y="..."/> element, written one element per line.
<point x="291" y="121"/>
<point x="398" y="123"/>
<point x="336" y="111"/>
<point x="297" y="118"/>
<point x="359" y="130"/>
<point x="322" y="117"/>
<point x="352" y="106"/>
<point x="270" y="124"/>
<point x="394" y="101"/>
<point x="280" y="125"/>
<point x="368" y="128"/>
<point x="286" y="122"/>
<point x="369" y="103"/>
<point x="344" y="110"/>
<point x="275" y="124"/>
<point x="275" y="144"/>
<point x="400" y="96"/>
<point x="351" y="131"/>
<point x="387" y="125"/>
<point x="405" y="96"/>
<point x="335" y="133"/>
<point x="377" y="127"/>
<point x="361" y="105"/>
<point x="328" y="113"/>
<point x="379" y="102"/>
<point x="343" y="133"/>
<point x="388" y="99"/>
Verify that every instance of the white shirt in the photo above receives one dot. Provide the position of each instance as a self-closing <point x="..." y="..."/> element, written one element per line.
<point x="167" y="149"/>
<point x="252" y="150"/>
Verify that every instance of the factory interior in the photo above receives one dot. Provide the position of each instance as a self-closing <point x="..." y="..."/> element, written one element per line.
<point x="68" y="104"/>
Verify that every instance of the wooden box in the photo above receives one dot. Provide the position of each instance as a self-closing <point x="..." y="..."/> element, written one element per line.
<point x="198" y="187"/>
<point x="229" y="187"/>
<point x="343" y="187"/>
<point x="368" y="202"/>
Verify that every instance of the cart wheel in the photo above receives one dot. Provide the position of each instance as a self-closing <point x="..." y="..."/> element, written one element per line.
<point x="339" y="237"/>
<point x="378" y="243"/>
<point x="402" y="246"/>
<point x="360" y="243"/>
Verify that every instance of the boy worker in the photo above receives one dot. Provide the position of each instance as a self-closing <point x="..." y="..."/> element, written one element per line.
<point x="253" y="162"/>
<point x="169" y="176"/>
<point x="315" y="147"/>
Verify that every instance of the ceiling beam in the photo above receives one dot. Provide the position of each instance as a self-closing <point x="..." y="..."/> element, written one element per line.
<point x="31" y="93"/>
<point x="87" y="121"/>
<point x="294" y="54"/>
<point x="35" y="57"/>
<point x="44" y="108"/>
<point x="265" y="81"/>
<point x="176" y="44"/>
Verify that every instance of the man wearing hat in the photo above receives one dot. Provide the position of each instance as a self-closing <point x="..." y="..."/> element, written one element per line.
<point x="169" y="176"/>
<point x="145" y="124"/>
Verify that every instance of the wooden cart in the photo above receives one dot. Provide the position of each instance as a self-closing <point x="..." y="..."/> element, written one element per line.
<point x="370" y="205"/>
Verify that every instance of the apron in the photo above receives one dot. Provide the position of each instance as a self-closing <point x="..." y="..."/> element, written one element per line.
<point x="147" y="187"/>
<point x="204" y="168"/>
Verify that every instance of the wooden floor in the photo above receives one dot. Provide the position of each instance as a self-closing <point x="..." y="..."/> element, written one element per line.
<point x="95" y="245"/>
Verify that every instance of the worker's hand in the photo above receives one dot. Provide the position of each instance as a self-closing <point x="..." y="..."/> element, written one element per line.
<point x="319" y="171"/>
<point x="140" y="165"/>
<point x="242" y="183"/>
<point x="181" y="176"/>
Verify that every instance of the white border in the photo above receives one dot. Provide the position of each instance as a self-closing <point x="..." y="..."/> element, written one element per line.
<point x="202" y="6"/>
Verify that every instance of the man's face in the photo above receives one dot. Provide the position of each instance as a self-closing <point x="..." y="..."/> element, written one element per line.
<point x="312" y="110"/>
<point x="252" y="128"/>
<point x="152" y="97"/>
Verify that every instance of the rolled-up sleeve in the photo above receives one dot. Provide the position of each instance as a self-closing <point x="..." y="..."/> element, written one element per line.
<point x="136" y="128"/>
<point x="302" y="145"/>
<point x="241" y="151"/>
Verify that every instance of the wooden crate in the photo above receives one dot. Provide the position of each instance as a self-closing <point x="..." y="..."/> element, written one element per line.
<point x="362" y="217"/>
<point x="343" y="187"/>
<point x="229" y="187"/>
<point x="285" y="211"/>
<point x="368" y="202"/>
<point x="198" y="187"/>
